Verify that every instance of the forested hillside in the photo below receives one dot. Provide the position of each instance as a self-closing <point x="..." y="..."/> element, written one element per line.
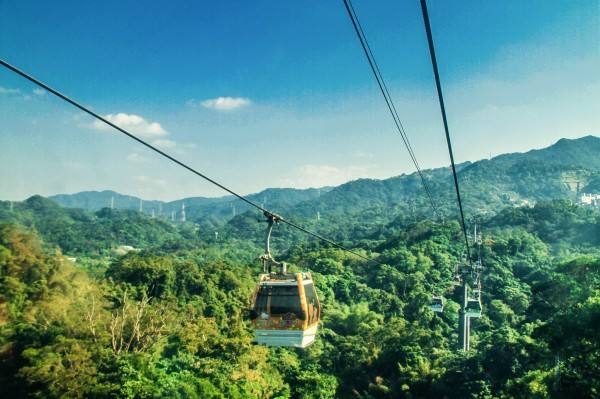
<point x="78" y="232"/>
<point x="227" y="200"/>
<point x="489" y="185"/>
<point x="171" y="320"/>
<point x="207" y="211"/>
<point x="116" y="303"/>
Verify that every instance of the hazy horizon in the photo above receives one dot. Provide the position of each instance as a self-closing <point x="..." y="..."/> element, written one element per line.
<point x="224" y="195"/>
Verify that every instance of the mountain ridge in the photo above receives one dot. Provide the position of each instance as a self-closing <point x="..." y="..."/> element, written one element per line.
<point x="506" y="179"/>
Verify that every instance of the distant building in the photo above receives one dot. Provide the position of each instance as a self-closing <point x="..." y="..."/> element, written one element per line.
<point x="124" y="249"/>
<point x="588" y="199"/>
<point x="525" y="203"/>
<point x="517" y="202"/>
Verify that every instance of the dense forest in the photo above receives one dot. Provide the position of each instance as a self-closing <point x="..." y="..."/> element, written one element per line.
<point x="78" y="319"/>
<point x="101" y="303"/>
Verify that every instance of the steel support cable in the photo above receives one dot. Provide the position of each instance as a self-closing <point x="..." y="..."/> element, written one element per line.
<point x="176" y="161"/>
<point x="440" y="94"/>
<point x="387" y="93"/>
<point x="387" y="97"/>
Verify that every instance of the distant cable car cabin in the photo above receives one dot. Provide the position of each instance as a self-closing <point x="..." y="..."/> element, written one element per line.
<point x="286" y="308"/>
<point x="437" y="304"/>
<point x="473" y="308"/>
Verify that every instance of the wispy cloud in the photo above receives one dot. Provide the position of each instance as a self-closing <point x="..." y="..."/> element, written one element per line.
<point x="164" y="143"/>
<point x="221" y="103"/>
<point x="6" y="90"/>
<point x="312" y="175"/>
<point x="73" y="165"/>
<point x="146" y="180"/>
<point x="136" y="157"/>
<point x="134" y="123"/>
<point x="39" y="92"/>
<point x="363" y="155"/>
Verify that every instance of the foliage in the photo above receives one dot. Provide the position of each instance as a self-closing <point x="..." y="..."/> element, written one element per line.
<point x="170" y="319"/>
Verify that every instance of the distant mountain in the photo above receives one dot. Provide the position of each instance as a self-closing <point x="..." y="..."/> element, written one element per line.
<point x="581" y="152"/>
<point x="554" y="172"/>
<point x="210" y="210"/>
<point x="96" y="200"/>
<point x="488" y="185"/>
<point x="78" y="231"/>
<point x="361" y="209"/>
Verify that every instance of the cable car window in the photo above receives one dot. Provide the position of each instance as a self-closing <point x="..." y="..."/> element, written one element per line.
<point x="286" y="299"/>
<point x="262" y="298"/>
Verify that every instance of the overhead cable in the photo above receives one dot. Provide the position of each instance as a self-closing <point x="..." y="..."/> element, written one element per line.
<point x="175" y="160"/>
<point x="440" y="94"/>
<point x="387" y="97"/>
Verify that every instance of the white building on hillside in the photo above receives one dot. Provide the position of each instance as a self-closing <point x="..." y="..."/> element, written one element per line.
<point x="589" y="199"/>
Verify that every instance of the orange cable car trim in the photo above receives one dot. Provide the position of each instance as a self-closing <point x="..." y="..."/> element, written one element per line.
<point x="302" y="295"/>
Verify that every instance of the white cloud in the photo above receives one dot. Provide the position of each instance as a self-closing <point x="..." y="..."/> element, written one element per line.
<point x="135" y="157"/>
<point x="164" y="143"/>
<point x="311" y="175"/>
<point x="5" y="90"/>
<point x="39" y="92"/>
<point x="133" y="123"/>
<point x="146" y="180"/>
<point x="73" y="165"/>
<point x="363" y="154"/>
<point x="222" y="103"/>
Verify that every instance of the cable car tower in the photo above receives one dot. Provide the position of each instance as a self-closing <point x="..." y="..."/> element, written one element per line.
<point x="469" y="277"/>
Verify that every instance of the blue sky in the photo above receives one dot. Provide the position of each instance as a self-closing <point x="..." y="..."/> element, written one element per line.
<point x="278" y="94"/>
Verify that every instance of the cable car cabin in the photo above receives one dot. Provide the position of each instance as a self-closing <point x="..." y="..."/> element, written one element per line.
<point x="473" y="308"/>
<point x="437" y="304"/>
<point x="286" y="310"/>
